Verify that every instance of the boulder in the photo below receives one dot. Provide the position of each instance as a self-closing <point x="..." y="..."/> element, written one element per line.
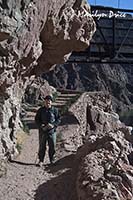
<point x="104" y="162"/>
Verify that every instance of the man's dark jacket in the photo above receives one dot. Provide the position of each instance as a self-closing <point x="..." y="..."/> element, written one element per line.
<point x="47" y="115"/>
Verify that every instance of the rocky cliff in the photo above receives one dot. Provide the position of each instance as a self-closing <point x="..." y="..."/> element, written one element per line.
<point x="34" y="35"/>
<point x="104" y="162"/>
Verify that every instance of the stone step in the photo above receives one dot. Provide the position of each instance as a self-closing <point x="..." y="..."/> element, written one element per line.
<point x="64" y="97"/>
<point x="68" y="95"/>
<point x="60" y="102"/>
<point x="69" y="91"/>
<point x="61" y="98"/>
<point x="56" y="104"/>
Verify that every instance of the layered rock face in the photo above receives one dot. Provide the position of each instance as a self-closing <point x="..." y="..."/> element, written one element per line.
<point x="29" y="30"/>
<point x="104" y="161"/>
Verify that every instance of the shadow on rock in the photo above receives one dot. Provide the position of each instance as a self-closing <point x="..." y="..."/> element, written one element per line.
<point x="69" y="119"/>
<point x="31" y="124"/>
<point x="130" y="158"/>
<point x="63" y="163"/>
<point x="22" y="163"/>
<point x="62" y="187"/>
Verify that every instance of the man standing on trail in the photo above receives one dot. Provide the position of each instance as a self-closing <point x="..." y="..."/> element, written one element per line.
<point x="47" y="120"/>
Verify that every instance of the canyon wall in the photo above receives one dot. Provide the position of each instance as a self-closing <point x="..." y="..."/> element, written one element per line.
<point x="34" y="35"/>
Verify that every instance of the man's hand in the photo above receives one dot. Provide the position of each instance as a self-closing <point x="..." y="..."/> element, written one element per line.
<point x="44" y="127"/>
<point x="47" y="127"/>
<point x="50" y="126"/>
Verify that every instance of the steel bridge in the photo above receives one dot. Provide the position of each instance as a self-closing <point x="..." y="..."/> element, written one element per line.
<point x="113" y="39"/>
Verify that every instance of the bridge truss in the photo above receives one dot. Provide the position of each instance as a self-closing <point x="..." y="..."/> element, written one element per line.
<point x="113" y="39"/>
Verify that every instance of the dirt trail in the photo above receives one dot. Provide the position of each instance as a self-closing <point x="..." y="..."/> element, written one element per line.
<point x="25" y="181"/>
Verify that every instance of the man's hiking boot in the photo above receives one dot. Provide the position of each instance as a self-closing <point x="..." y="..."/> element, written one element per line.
<point x="52" y="161"/>
<point x="39" y="164"/>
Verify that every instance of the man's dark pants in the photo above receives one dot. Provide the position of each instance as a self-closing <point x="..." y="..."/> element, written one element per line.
<point x="45" y="137"/>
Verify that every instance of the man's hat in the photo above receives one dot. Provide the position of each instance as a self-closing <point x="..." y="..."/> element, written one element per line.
<point x="48" y="97"/>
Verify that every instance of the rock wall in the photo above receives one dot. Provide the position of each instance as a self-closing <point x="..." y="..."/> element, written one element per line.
<point x="104" y="161"/>
<point x="34" y="35"/>
<point x="37" y="90"/>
